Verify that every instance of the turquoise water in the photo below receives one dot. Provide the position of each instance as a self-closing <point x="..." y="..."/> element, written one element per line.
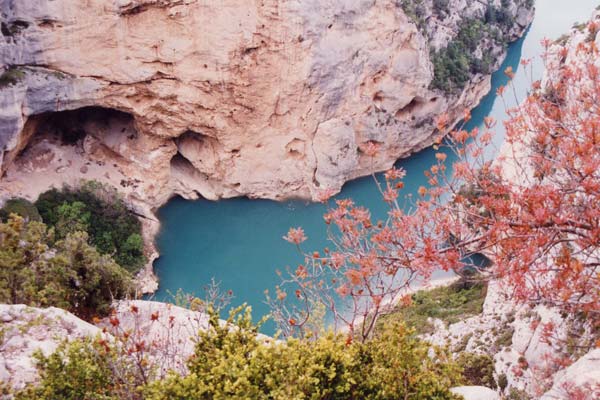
<point x="239" y="241"/>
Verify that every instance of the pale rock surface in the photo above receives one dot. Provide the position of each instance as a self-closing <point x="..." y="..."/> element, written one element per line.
<point x="475" y="393"/>
<point x="266" y="99"/>
<point x="29" y="329"/>
<point x="583" y="378"/>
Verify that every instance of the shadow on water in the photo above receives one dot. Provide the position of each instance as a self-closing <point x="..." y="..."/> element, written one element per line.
<point x="239" y="241"/>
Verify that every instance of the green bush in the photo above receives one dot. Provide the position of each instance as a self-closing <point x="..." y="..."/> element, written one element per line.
<point x="22" y="207"/>
<point x="451" y="304"/>
<point x="11" y="76"/>
<point x="235" y="363"/>
<point x="98" y="210"/>
<point x="81" y="370"/>
<point x="69" y="273"/>
<point x="454" y="64"/>
<point x="415" y="10"/>
<point x="441" y="6"/>
<point x="478" y="369"/>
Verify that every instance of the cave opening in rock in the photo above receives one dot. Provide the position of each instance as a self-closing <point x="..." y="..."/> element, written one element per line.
<point x="52" y="139"/>
<point x="178" y="161"/>
<point x="408" y="111"/>
<point x="72" y="126"/>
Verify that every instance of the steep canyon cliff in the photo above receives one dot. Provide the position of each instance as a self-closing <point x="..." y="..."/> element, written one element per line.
<point x="269" y="98"/>
<point x="266" y="99"/>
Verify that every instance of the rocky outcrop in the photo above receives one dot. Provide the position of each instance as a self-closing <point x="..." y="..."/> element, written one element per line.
<point x="26" y="330"/>
<point x="168" y="332"/>
<point x="580" y="380"/>
<point x="529" y="359"/>
<point x="265" y="99"/>
<point x="475" y="393"/>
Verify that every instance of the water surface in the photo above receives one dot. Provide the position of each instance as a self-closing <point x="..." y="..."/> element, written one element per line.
<point x="239" y="241"/>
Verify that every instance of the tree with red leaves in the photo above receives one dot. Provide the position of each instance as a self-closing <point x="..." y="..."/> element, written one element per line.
<point x="535" y="212"/>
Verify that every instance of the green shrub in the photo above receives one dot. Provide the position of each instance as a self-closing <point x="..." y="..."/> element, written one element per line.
<point x="477" y="369"/>
<point x="98" y="210"/>
<point x="69" y="273"/>
<point x="415" y="10"/>
<point x="451" y="304"/>
<point x="22" y="207"/>
<point x="11" y="76"/>
<point x="454" y="64"/>
<point x="81" y="370"/>
<point x="504" y="339"/>
<point x="502" y="382"/>
<point x="441" y="6"/>
<point x="235" y="363"/>
<point x="517" y="394"/>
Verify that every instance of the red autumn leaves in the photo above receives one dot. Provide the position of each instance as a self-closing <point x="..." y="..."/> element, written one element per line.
<point x="541" y="229"/>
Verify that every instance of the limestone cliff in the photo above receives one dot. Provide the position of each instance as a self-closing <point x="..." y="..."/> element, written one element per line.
<point x="269" y="98"/>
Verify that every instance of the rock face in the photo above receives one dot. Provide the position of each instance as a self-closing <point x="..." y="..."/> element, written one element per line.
<point x="26" y="330"/>
<point x="475" y="393"/>
<point x="169" y="332"/>
<point x="580" y="380"/>
<point x="270" y="99"/>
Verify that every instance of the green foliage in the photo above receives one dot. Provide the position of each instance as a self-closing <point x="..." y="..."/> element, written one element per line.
<point x="415" y="10"/>
<point x="80" y="370"/>
<point x="454" y="64"/>
<point x="11" y="76"/>
<point x="72" y="217"/>
<point x="478" y="369"/>
<point x="451" y="304"/>
<point x="500" y="16"/>
<point x="234" y="363"/>
<point x="70" y="273"/>
<point x="99" y="211"/>
<point x="441" y="6"/>
<point x="517" y="394"/>
<point x="502" y="382"/>
<point x="22" y="207"/>
<point x="504" y="339"/>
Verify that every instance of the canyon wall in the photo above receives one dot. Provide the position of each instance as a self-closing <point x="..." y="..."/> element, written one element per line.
<point x="201" y="98"/>
<point x="267" y="98"/>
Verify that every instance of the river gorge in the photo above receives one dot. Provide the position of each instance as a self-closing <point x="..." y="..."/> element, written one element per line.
<point x="239" y="241"/>
<point x="153" y="148"/>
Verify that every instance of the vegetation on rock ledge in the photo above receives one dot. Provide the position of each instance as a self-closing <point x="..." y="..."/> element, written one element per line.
<point x="236" y="363"/>
<point x="98" y="210"/>
<point x="68" y="273"/>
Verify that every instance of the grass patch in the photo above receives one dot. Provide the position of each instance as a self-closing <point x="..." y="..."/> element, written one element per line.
<point x="505" y="337"/>
<point x="11" y="76"/>
<point x="450" y="304"/>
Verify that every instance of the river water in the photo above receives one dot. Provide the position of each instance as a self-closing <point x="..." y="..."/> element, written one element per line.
<point x="239" y="241"/>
